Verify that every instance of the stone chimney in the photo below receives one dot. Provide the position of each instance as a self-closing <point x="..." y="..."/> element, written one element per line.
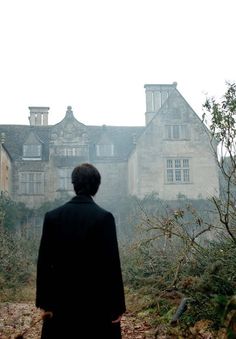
<point x="38" y="116"/>
<point x="3" y="137"/>
<point x="156" y="95"/>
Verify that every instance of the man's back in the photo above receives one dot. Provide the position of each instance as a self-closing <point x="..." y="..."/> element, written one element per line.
<point x="78" y="272"/>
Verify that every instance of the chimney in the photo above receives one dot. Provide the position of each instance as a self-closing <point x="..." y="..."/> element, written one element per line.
<point x="3" y="136"/>
<point x="156" y="95"/>
<point x="38" y="116"/>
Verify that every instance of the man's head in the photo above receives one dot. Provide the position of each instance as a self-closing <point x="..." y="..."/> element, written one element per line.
<point x="86" y="179"/>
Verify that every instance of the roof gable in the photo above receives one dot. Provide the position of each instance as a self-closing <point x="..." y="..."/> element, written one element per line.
<point x="176" y="108"/>
<point x="32" y="139"/>
<point x="69" y="130"/>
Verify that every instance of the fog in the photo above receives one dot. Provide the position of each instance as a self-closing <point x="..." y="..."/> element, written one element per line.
<point x="97" y="56"/>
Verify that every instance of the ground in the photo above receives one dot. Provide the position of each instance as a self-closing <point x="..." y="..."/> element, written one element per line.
<point x="24" y="319"/>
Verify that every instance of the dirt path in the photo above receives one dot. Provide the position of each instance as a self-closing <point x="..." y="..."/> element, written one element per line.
<point x="24" y="318"/>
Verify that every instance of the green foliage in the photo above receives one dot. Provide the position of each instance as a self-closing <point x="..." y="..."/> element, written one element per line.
<point x="12" y="214"/>
<point x="18" y="249"/>
<point x="174" y="256"/>
<point x="223" y="129"/>
<point x="223" y="116"/>
<point x="214" y="283"/>
<point x="17" y="264"/>
<point x="208" y="280"/>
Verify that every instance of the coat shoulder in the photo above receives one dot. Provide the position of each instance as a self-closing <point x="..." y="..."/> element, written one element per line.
<point x="102" y="211"/>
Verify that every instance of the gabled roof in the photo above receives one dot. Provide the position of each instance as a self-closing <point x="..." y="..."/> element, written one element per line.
<point x="121" y="136"/>
<point x="32" y="139"/>
<point x="68" y="118"/>
<point x="16" y="135"/>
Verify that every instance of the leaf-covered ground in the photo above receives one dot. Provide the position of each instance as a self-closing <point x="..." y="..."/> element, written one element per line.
<point x="24" y="318"/>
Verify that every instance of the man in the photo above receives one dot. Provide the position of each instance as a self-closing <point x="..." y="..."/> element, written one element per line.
<point x="79" y="279"/>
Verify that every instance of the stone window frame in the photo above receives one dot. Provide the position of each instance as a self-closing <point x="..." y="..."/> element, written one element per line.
<point x="176" y="132"/>
<point x="32" y="152"/>
<point x="178" y="170"/>
<point x="64" y="179"/>
<point x="71" y="151"/>
<point x="105" y="150"/>
<point x="31" y="183"/>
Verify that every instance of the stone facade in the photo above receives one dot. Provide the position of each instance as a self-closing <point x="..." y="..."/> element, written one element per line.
<point x="5" y="168"/>
<point x="171" y="156"/>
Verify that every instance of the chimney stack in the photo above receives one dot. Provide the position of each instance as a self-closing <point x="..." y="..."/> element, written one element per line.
<point x="156" y="95"/>
<point x="38" y="116"/>
<point x="3" y="138"/>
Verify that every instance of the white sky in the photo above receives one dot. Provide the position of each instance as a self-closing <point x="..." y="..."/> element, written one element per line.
<point x="96" y="55"/>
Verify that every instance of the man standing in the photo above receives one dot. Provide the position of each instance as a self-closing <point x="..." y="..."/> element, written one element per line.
<point x="79" y="280"/>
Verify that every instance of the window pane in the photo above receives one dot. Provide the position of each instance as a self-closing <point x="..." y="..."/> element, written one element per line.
<point x="177" y="175"/>
<point x="31" y="183"/>
<point x="65" y="179"/>
<point x="31" y="187"/>
<point x="23" y="177"/>
<point x="168" y="132"/>
<point x="177" y="170"/>
<point x="186" y="175"/>
<point x="185" y="162"/>
<point x="178" y="163"/>
<point x="183" y="131"/>
<point x="38" y="177"/>
<point x="69" y="151"/>
<point x="176" y="131"/>
<point x="38" y="150"/>
<point x="31" y="151"/>
<point x="37" y="187"/>
<point x="170" y="176"/>
<point x="30" y="177"/>
<point x="23" y="188"/>
<point x="105" y="150"/>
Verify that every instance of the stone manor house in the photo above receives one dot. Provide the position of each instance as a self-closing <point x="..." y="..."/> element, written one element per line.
<point x="170" y="156"/>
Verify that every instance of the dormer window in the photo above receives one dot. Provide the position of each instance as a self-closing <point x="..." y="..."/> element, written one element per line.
<point x="32" y="152"/>
<point x="105" y="150"/>
<point x="32" y="147"/>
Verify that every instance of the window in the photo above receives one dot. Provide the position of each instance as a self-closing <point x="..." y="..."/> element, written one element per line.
<point x="65" y="179"/>
<point x="32" y="183"/>
<point x="177" y="171"/>
<point x="71" y="151"/>
<point x="32" y="152"/>
<point x="176" y="132"/>
<point x="105" y="150"/>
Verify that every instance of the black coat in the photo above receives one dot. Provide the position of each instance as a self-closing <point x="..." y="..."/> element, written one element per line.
<point x="78" y="272"/>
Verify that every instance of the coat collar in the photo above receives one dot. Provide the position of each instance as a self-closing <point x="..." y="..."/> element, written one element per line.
<point x="81" y="198"/>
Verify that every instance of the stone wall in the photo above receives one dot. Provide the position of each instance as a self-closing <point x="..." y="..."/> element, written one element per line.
<point x="148" y="162"/>
<point x="5" y="171"/>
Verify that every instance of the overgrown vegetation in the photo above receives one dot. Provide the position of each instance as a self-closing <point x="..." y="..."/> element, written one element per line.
<point x="17" y="266"/>
<point x="17" y="250"/>
<point x="20" y="231"/>
<point x="161" y="272"/>
<point x="187" y="253"/>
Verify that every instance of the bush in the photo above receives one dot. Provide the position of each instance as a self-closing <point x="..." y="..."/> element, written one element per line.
<point x="17" y="264"/>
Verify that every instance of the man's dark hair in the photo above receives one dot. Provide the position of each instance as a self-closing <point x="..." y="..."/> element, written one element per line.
<point x="86" y="179"/>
